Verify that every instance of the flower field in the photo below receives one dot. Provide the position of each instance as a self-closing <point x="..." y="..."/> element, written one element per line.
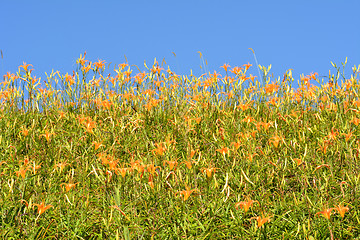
<point x="130" y="154"/>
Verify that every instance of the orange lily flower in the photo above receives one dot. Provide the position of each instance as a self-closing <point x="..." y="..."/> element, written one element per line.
<point x="342" y="210"/>
<point x="172" y="164"/>
<point x="223" y="150"/>
<point x="236" y="145"/>
<point x="150" y="168"/>
<point x="123" y="65"/>
<point x="86" y="68"/>
<point x="332" y="135"/>
<point x="97" y="145"/>
<point x="24" y="131"/>
<point x="61" y="114"/>
<point x="198" y="120"/>
<point x="266" y="125"/>
<point x="47" y="135"/>
<point x="326" y="213"/>
<point x="236" y="70"/>
<point x="82" y="60"/>
<point x="298" y="161"/>
<point x="270" y="88"/>
<point x="208" y="171"/>
<point x="25" y="66"/>
<point x="151" y="181"/>
<point x="122" y="171"/>
<point x="106" y="104"/>
<point x="137" y="165"/>
<point x="42" y="208"/>
<point x="89" y="125"/>
<point x="99" y="64"/>
<point x="96" y="82"/>
<point x="69" y="79"/>
<point x="248" y="119"/>
<point x="225" y="66"/>
<point x="26" y="161"/>
<point x="261" y="220"/>
<point x="69" y="186"/>
<point x="243" y="107"/>
<point x="313" y="75"/>
<point x="355" y="120"/>
<point x="186" y="193"/>
<point x="62" y="165"/>
<point x="275" y="140"/>
<point x="113" y="164"/>
<point x="356" y="103"/>
<point x="192" y="153"/>
<point x="127" y="95"/>
<point x="22" y="171"/>
<point x="160" y="149"/>
<point x="188" y="164"/>
<point x="156" y="69"/>
<point x="247" y="66"/>
<point x="347" y="135"/>
<point x="246" y="204"/>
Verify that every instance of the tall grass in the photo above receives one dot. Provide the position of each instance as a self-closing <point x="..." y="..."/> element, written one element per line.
<point x="154" y="155"/>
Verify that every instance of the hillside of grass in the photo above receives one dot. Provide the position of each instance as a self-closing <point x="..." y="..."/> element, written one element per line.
<point x="126" y="154"/>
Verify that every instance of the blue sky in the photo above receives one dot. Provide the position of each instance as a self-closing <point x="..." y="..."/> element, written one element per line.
<point x="302" y="35"/>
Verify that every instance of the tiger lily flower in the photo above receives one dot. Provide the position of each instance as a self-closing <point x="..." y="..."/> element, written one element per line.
<point x="236" y="145"/>
<point x="209" y="171"/>
<point x="261" y="220"/>
<point x="341" y="210"/>
<point x="326" y="213"/>
<point x="42" y="207"/>
<point x="123" y="65"/>
<point x="347" y="135"/>
<point x="225" y="67"/>
<point x="86" y="68"/>
<point x="298" y="161"/>
<point x="62" y="165"/>
<point x="159" y="150"/>
<point x="275" y="140"/>
<point x="69" y="186"/>
<point x="246" y="204"/>
<point x="186" y="193"/>
<point x="82" y="60"/>
<point x="24" y="131"/>
<point x="47" y="135"/>
<point x="172" y="164"/>
<point x="97" y="145"/>
<point x="99" y="64"/>
<point x="22" y="171"/>
<point x="150" y="168"/>
<point x="270" y="88"/>
<point x="236" y="70"/>
<point x="188" y="164"/>
<point x="151" y="181"/>
<point x="223" y="150"/>
<point x="25" y="66"/>
<point x="247" y="66"/>
<point x="122" y="171"/>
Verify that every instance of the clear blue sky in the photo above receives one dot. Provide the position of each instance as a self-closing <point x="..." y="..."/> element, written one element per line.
<point x="303" y="35"/>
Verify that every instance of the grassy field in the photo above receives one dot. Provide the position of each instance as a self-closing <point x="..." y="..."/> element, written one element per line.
<point x="126" y="154"/>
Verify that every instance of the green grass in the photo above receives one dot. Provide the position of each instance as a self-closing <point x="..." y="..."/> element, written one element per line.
<point x="161" y="156"/>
